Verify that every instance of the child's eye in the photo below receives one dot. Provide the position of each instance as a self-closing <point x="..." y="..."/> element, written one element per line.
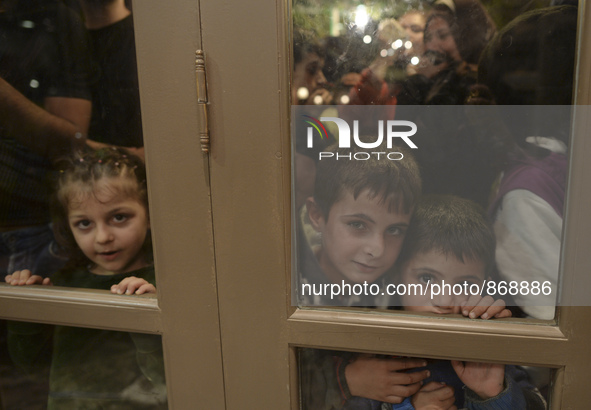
<point x="395" y="231"/>
<point x="357" y="225"/>
<point x="119" y="218"/>
<point x="83" y="224"/>
<point x="426" y="278"/>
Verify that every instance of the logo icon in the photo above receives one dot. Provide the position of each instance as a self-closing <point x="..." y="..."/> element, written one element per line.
<point x="392" y="130"/>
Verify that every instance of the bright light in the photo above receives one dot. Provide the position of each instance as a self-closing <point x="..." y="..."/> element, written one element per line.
<point x="345" y="99"/>
<point x="361" y="17"/>
<point x="397" y="44"/>
<point x="318" y="100"/>
<point x="367" y="39"/>
<point x="414" y="60"/>
<point x="302" y="93"/>
<point x="27" y="24"/>
<point x="408" y="45"/>
<point x="384" y="53"/>
<point x="34" y="83"/>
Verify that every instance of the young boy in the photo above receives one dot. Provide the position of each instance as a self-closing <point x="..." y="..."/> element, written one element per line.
<point x="360" y="211"/>
<point x="449" y="241"/>
<point x="361" y="208"/>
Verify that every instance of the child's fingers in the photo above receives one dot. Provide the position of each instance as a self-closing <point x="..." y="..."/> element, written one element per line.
<point x="443" y="395"/>
<point x="504" y="313"/>
<point x="469" y="304"/>
<point x="405" y="363"/>
<point x="133" y="285"/>
<point x="431" y="386"/>
<point x="23" y="277"/>
<point x="145" y="288"/>
<point x="33" y="280"/>
<point x="497" y="307"/>
<point x="398" y="391"/>
<point x="47" y="282"/>
<point x="122" y="287"/>
<point x="18" y="277"/>
<point x="484" y="308"/>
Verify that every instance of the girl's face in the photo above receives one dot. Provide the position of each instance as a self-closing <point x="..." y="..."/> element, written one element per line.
<point x="110" y="228"/>
<point x="438" y="37"/>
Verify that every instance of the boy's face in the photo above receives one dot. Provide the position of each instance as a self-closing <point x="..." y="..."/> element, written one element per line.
<point x="433" y="268"/>
<point x="361" y="239"/>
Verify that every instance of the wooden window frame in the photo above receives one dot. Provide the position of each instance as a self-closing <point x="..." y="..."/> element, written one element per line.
<point x="222" y="229"/>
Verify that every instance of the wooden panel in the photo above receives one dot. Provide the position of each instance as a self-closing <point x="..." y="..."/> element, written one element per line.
<point x="82" y="308"/>
<point x="167" y="36"/>
<point x="250" y="189"/>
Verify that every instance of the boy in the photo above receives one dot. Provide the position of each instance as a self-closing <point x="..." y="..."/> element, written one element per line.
<point x="360" y="211"/>
<point x="450" y="241"/>
<point x="361" y="208"/>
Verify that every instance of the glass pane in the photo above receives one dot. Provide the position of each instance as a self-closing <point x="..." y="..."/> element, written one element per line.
<point x="462" y="93"/>
<point x="68" y="78"/>
<point x="59" y="367"/>
<point x="360" y="381"/>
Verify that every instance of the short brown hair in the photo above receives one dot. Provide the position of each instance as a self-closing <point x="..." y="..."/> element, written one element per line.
<point x="396" y="182"/>
<point x="453" y="225"/>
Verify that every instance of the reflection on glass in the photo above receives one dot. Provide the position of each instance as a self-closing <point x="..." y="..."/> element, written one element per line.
<point x="116" y="116"/>
<point x="356" y="381"/>
<point x="67" y="368"/>
<point x="457" y="71"/>
<point x="57" y="60"/>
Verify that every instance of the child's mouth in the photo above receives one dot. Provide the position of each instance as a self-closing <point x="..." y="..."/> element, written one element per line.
<point x="110" y="255"/>
<point x="366" y="268"/>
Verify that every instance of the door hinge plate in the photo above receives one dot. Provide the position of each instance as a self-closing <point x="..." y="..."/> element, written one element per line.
<point x="202" y="101"/>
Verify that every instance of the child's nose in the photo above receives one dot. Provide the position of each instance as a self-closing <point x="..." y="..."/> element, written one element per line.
<point x="375" y="246"/>
<point x="103" y="234"/>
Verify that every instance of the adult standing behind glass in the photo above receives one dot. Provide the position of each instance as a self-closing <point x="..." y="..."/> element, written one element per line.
<point x="413" y="22"/>
<point x="116" y="115"/>
<point x="44" y="113"/>
<point x="455" y="34"/>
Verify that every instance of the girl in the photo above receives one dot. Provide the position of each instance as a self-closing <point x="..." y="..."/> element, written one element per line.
<point x="101" y="221"/>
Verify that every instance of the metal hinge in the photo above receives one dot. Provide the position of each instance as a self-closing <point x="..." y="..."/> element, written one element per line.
<point x="202" y="101"/>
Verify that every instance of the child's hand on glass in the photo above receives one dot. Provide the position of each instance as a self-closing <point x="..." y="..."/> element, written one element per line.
<point x="384" y="379"/>
<point x="434" y="396"/>
<point x="484" y="308"/>
<point x="484" y="379"/>
<point x="25" y="277"/>
<point x="131" y="285"/>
